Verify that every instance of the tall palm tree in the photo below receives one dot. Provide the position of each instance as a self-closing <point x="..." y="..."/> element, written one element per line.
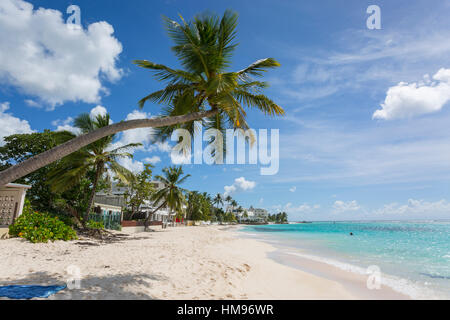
<point x="205" y="47"/>
<point x="228" y="200"/>
<point x="203" y="90"/>
<point x="218" y="200"/>
<point x="171" y="195"/>
<point x="97" y="156"/>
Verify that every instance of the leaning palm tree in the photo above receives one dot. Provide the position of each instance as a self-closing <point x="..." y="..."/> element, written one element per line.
<point x="205" y="47"/>
<point x="97" y="156"/>
<point x="204" y="89"/>
<point x="171" y="195"/>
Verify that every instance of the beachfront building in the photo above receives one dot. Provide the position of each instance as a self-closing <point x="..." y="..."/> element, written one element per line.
<point x="253" y="215"/>
<point x="116" y="197"/>
<point x="12" y="199"/>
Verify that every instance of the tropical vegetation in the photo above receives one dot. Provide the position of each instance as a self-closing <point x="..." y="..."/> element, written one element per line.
<point x="98" y="156"/>
<point x="40" y="227"/>
<point x="203" y="90"/>
<point x="67" y="170"/>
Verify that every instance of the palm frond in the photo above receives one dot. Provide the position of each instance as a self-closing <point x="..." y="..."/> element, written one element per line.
<point x="191" y="45"/>
<point x="259" y="101"/>
<point x="125" y="147"/>
<point x="84" y="123"/>
<point x="124" y="175"/>
<point x="164" y="73"/>
<point x="166" y="95"/>
<point x="227" y="33"/>
<point x="257" y="68"/>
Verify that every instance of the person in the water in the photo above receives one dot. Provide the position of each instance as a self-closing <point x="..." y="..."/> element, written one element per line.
<point x="351" y="233"/>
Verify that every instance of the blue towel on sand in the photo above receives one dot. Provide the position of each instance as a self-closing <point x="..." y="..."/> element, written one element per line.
<point x="29" y="292"/>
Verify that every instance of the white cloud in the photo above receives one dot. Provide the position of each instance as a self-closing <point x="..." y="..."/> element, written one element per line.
<point x="341" y="206"/>
<point x="240" y="184"/>
<point x="141" y="135"/>
<point x="373" y="153"/>
<point x="297" y="212"/>
<point x="303" y="208"/>
<point x="416" y="207"/>
<point x="32" y="103"/>
<point x="11" y="125"/>
<point x="98" y="110"/>
<point x="66" y="125"/>
<point x="293" y="189"/>
<point x="153" y="160"/>
<point x="243" y="184"/>
<point x="132" y="165"/>
<point x="55" y="62"/>
<point x="407" y="100"/>
<point x="363" y="61"/>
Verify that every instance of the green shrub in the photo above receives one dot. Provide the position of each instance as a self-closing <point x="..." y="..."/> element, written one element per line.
<point x="26" y="206"/>
<point x="95" y="225"/>
<point x="41" y="227"/>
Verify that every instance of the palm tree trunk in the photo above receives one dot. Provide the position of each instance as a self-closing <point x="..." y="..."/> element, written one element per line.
<point x="98" y="172"/>
<point x="41" y="160"/>
<point x="150" y="214"/>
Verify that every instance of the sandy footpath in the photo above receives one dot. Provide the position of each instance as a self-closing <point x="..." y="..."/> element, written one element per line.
<point x="174" y="263"/>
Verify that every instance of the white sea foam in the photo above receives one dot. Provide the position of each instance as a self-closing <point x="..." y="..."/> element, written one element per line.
<point x="400" y="285"/>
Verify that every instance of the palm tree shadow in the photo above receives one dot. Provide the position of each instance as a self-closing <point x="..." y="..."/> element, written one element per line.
<point x="108" y="287"/>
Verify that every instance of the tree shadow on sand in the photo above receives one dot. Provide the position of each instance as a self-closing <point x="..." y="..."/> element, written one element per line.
<point x="106" y="287"/>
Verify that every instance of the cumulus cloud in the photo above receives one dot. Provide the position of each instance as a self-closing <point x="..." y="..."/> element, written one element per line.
<point x="407" y="100"/>
<point x="341" y="206"/>
<point x="32" y="103"/>
<point x="152" y="160"/>
<point x="414" y="207"/>
<point x="66" y="125"/>
<point x="240" y="184"/>
<point x="293" y="189"/>
<point x="142" y="135"/>
<point x="134" y="166"/>
<point x="43" y="57"/>
<point x="303" y="208"/>
<point x="98" y="110"/>
<point x="11" y="125"/>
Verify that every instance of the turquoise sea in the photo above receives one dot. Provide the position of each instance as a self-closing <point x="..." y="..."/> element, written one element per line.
<point x="413" y="256"/>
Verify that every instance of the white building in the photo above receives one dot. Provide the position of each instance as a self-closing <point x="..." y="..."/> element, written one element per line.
<point x="254" y="215"/>
<point x="12" y="198"/>
<point x="116" y="197"/>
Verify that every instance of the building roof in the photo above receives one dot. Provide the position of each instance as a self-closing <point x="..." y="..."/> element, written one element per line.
<point x="17" y="185"/>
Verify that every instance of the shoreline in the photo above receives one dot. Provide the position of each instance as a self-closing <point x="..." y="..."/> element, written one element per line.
<point x="354" y="283"/>
<point x="352" y="276"/>
<point x="205" y="262"/>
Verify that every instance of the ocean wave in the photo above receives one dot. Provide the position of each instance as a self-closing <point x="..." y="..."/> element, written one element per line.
<point x="397" y="284"/>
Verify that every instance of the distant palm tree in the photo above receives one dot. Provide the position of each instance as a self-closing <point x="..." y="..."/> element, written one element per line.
<point x="228" y="200"/>
<point x="96" y="156"/>
<point x="218" y="200"/>
<point x="203" y="90"/>
<point x="171" y="195"/>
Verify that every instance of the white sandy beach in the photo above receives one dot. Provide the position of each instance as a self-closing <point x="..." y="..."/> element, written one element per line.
<point x="176" y="263"/>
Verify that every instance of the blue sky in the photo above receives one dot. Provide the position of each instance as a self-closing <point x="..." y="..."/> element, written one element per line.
<point x="340" y="158"/>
